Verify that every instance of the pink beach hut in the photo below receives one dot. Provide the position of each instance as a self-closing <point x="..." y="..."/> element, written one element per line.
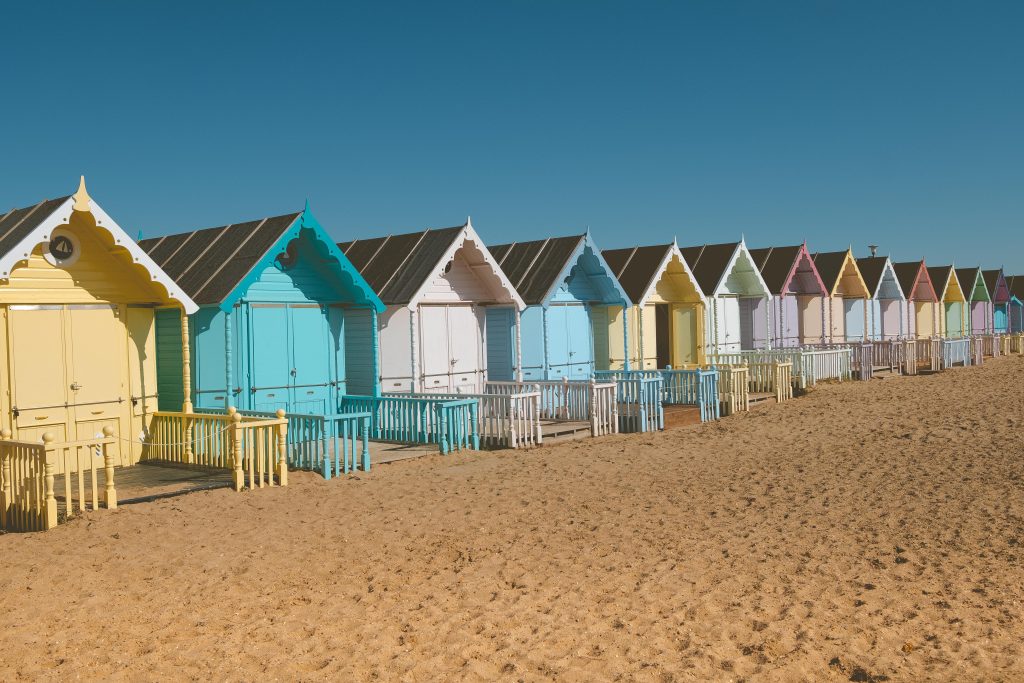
<point x="796" y="309"/>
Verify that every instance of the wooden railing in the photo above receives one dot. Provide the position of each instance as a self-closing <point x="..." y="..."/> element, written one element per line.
<point x="692" y="387"/>
<point x="504" y="420"/>
<point x="810" y="365"/>
<point x="253" y="447"/>
<point x="772" y="378"/>
<point x="977" y="351"/>
<point x="929" y="353"/>
<point x="28" y="501"/>
<point x="1013" y="343"/>
<point x="639" y="397"/>
<point x="451" y="424"/>
<point x="956" y="352"/>
<point x="733" y="388"/>
<point x="990" y="344"/>
<point x="330" y="444"/>
<point x="570" y="401"/>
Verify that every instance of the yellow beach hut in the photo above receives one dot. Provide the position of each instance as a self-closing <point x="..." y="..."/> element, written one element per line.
<point x="77" y="298"/>
<point x="952" y="323"/>
<point x="665" y="324"/>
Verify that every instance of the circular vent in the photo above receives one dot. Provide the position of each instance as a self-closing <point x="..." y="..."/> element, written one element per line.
<point x="63" y="248"/>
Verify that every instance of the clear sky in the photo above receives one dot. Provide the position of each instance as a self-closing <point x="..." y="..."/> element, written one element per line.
<point x="898" y="123"/>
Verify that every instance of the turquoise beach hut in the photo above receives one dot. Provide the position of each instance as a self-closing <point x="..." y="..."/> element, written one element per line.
<point x="560" y="280"/>
<point x="285" y="321"/>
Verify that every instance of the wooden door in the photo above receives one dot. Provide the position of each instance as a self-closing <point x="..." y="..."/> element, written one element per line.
<point x="39" y="373"/>
<point x="271" y="365"/>
<point x="581" y="345"/>
<point x="727" y="323"/>
<point x="309" y="348"/>
<point x="501" y="344"/>
<point x="556" y="334"/>
<point x="435" y="359"/>
<point x="97" y="395"/>
<point x="647" y="338"/>
<point x="891" y="320"/>
<point x="662" y="336"/>
<point x="684" y="334"/>
<point x="465" y="346"/>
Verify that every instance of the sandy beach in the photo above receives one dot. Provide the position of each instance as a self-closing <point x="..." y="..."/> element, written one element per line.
<point x="867" y="531"/>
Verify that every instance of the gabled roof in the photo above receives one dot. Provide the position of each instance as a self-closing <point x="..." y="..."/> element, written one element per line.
<point x="944" y="277"/>
<point x="401" y="267"/>
<point x="639" y="269"/>
<point x="912" y="273"/>
<point x="972" y="282"/>
<point x="21" y="230"/>
<point x="1015" y="283"/>
<point x="996" y="284"/>
<point x="712" y="264"/>
<point x="833" y="266"/>
<point x="217" y="265"/>
<point x="537" y="268"/>
<point x="873" y="269"/>
<point x="779" y="266"/>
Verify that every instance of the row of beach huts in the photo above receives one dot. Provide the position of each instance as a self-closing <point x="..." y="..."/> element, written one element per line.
<point x="261" y="346"/>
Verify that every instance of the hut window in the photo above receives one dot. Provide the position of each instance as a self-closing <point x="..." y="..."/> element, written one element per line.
<point x="63" y="249"/>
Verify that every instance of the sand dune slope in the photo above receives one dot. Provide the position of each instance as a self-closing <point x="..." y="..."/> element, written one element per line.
<point x="868" y="530"/>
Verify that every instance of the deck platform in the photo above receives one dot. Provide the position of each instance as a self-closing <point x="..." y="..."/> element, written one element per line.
<point x="148" y="481"/>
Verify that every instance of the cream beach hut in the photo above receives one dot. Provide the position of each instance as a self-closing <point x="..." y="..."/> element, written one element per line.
<point x="437" y="286"/>
<point x="846" y="314"/>
<point x="664" y="324"/>
<point x="922" y="301"/>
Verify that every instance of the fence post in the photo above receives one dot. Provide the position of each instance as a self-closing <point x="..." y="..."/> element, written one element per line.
<point x="282" y="449"/>
<point x="443" y="421"/>
<point x="364" y="433"/>
<point x="5" y="477"/>
<point x="592" y="388"/>
<point x="110" y="493"/>
<point x="235" y="440"/>
<point x="50" y="503"/>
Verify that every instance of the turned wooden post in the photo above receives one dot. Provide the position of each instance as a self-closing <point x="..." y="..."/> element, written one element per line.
<point x="5" y="478"/>
<point x="49" y="501"/>
<point x="282" y="449"/>
<point x="235" y="440"/>
<point x="110" y="494"/>
<point x="592" y="388"/>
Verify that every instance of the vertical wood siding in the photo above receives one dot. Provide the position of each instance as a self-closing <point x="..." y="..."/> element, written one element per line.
<point x="169" y="359"/>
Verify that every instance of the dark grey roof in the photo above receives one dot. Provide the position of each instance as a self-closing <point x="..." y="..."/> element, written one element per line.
<point x="397" y="266"/>
<point x="1015" y="283"/>
<point x="636" y="267"/>
<point x="708" y="263"/>
<point x="939" y="275"/>
<point x="872" y="268"/>
<point x="991" y="278"/>
<point x="17" y="224"/>
<point x="830" y="267"/>
<point x="208" y="264"/>
<point x="775" y="264"/>
<point x="968" y="280"/>
<point x="533" y="267"/>
<point x="908" y="273"/>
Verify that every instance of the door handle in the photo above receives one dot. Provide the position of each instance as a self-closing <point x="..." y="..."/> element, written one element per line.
<point x="75" y="386"/>
<point x="293" y="372"/>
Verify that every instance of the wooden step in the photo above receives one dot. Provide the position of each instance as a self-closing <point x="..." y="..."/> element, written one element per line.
<point x="759" y="399"/>
<point x="557" y="430"/>
<point x="679" y="416"/>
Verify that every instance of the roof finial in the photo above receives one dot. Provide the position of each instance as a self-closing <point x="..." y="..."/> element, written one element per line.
<point x="469" y="221"/>
<point x="81" y="197"/>
<point x="306" y="209"/>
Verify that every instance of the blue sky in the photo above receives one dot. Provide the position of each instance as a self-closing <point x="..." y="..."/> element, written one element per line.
<point x="897" y="123"/>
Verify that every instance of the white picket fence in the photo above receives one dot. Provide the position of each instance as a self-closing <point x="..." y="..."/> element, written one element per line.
<point x="504" y="420"/>
<point x="810" y="366"/>
<point x="570" y="401"/>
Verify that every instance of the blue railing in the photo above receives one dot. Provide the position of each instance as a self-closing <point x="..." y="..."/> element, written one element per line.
<point x="451" y="424"/>
<point x="639" y="395"/>
<point x="679" y="387"/>
<point x="330" y="444"/>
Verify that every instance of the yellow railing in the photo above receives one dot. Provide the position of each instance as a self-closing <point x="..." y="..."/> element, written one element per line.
<point x="28" y="501"/>
<point x="254" y="448"/>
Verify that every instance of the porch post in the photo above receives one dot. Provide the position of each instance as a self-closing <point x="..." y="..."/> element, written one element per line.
<point x="544" y="326"/>
<point x="228" y="396"/>
<point x="5" y="479"/>
<point x="768" y="323"/>
<point x="625" y="336"/>
<point x="640" y="338"/>
<point x="519" y="345"/>
<point x="186" y="365"/>
<point x="375" y="350"/>
<point x="413" y="312"/>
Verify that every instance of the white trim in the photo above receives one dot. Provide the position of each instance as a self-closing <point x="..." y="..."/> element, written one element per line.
<point x="62" y="216"/>
<point x="468" y="234"/>
<point x="741" y="247"/>
<point x="570" y="263"/>
<point x="660" y="272"/>
<point x="888" y="264"/>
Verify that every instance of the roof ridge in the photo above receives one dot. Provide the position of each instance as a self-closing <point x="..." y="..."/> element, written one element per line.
<point x="228" y="259"/>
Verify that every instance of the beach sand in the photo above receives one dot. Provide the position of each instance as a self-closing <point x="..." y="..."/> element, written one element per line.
<point x="867" y="530"/>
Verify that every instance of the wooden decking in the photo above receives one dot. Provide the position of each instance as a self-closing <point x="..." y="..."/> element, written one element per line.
<point x="382" y="452"/>
<point x="149" y="480"/>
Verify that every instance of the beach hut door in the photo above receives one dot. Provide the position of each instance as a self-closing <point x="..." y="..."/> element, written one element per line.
<point x="291" y="352"/>
<point x="68" y="366"/>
